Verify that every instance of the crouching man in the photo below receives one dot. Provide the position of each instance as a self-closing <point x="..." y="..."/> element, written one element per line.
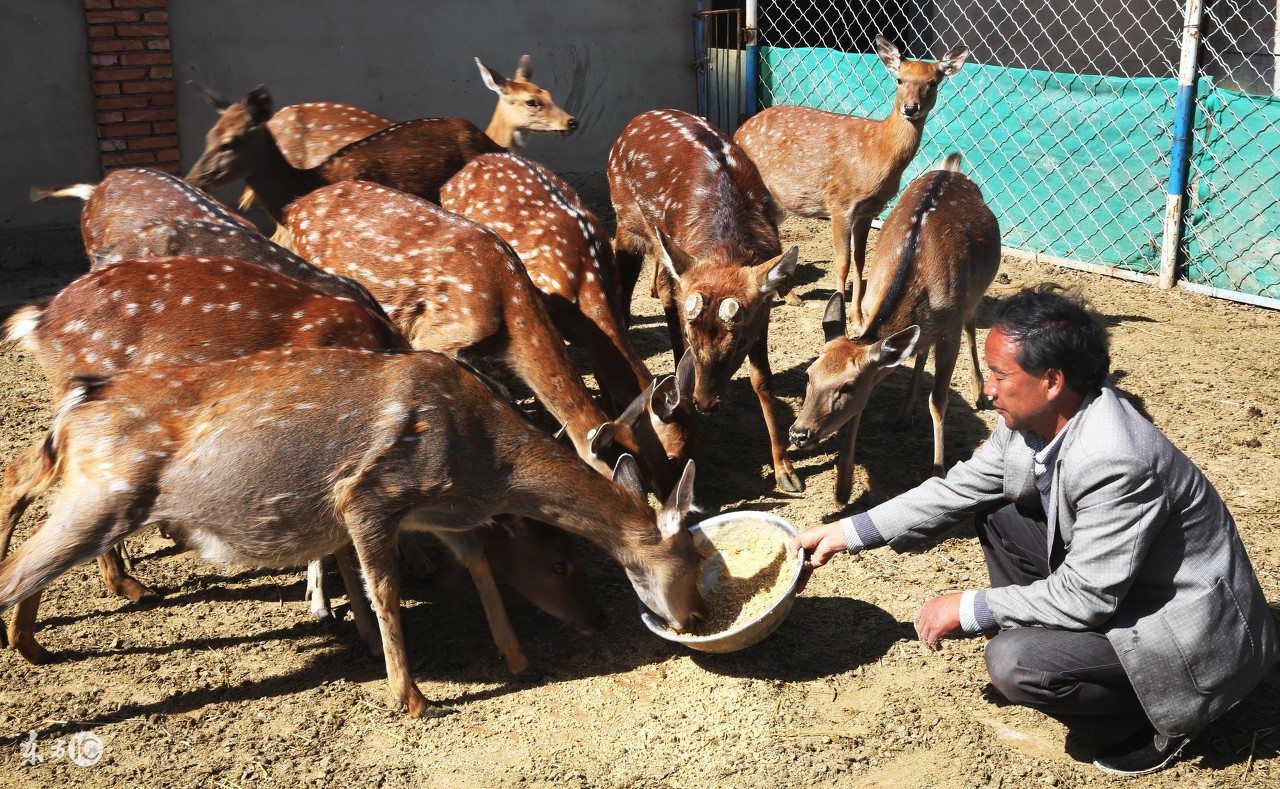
<point x="1122" y="598"/>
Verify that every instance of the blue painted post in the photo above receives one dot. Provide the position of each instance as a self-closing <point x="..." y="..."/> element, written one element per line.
<point x="1183" y="131"/>
<point x="700" y="57"/>
<point x="752" y="54"/>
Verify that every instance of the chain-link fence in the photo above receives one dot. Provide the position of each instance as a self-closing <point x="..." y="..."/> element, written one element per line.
<point x="1065" y="114"/>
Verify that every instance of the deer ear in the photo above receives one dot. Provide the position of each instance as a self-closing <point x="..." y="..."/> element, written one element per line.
<point x="259" y="104"/>
<point x="524" y="69"/>
<point x="601" y="438"/>
<point x="889" y="54"/>
<point x="492" y="79"/>
<point x="685" y="375"/>
<point x="952" y="61"/>
<point x="833" y="317"/>
<point x="215" y="99"/>
<point x="626" y="472"/>
<point x="779" y="271"/>
<point x="677" y="261"/>
<point x="664" y="398"/>
<point x="635" y="410"/>
<point x="678" y="504"/>
<point x="896" y="348"/>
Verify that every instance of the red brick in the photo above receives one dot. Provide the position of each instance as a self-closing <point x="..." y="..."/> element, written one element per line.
<point x="124" y="130"/>
<point x="158" y="44"/>
<point x="112" y="17"/>
<point x="118" y="74"/>
<point x="163" y="99"/>
<point x="167" y="127"/>
<point x="123" y="159"/>
<point x="165" y="86"/>
<point x="110" y="117"/>
<point x="95" y="5"/>
<point x="133" y="116"/>
<point x="156" y="17"/>
<point x="102" y="31"/>
<point x="169" y="167"/>
<point x="168" y="155"/>
<point x="146" y="58"/>
<point x="141" y="3"/>
<point x="115" y="45"/>
<point x="104" y="60"/>
<point x="160" y="72"/>
<point x="148" y="143"/>
<point x="120" y="102"/>
<point x="106" y="89"/>
<point x="160" y="31"/>
<point x="107" y="146"/>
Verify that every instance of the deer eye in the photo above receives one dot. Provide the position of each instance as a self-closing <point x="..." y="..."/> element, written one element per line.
<point x="899" y="80"/>
<point x="560" y="568"/>
<point x="532" y="103"/>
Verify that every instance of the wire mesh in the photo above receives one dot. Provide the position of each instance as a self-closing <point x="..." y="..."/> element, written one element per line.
<point x="1064" y="112"/>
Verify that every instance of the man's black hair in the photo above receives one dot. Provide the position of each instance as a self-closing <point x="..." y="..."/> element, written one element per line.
<point x="1055" y="331"/>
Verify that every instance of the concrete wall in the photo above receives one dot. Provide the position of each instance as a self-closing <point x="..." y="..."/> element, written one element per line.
<point x="603" y="60"/>
<point x="47" y="131"/>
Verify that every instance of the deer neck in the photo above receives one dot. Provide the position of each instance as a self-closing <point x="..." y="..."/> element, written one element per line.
<point x="505" y="133"/>
<point x="899" y="139"/>
<point x="278" y="183"/>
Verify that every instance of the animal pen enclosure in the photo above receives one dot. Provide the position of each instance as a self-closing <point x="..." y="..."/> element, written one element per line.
<point x="1081" y="121"/>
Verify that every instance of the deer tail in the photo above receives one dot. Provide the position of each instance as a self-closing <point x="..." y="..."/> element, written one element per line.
<point x="953" y="162"/>
<point x="82" y="191"/>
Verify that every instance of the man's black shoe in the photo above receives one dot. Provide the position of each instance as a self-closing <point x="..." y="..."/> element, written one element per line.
<point x="1144" y="753"/>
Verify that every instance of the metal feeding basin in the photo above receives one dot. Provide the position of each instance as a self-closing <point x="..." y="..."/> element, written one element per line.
<point x="724" y="532"/>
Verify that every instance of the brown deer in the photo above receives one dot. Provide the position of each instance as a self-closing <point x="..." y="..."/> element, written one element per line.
<point x="390" y="441"/>
<point x="842" y="167"/>
<point x="168" y="311"/>
<point x="937" y="253"/>
<point x="683" y="191"/>
<point x="452" y="285"/>
<point x="566" y="251"/>
<point x="143" y="213"/>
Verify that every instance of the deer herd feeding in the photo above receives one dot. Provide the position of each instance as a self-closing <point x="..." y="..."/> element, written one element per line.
<point x="270" y="404"/>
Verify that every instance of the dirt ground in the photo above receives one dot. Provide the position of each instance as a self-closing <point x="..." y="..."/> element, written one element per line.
<point x="229" y="682"/>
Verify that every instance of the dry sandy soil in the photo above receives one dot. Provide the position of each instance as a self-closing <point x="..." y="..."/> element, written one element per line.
<point x="229" y="682"/>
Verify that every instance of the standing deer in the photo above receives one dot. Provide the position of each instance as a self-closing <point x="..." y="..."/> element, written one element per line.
<point x="453" y="285"/>
<point x="566" y="251"/>
<point x="415" y="156"/>
<point x="390" y="442"/>
<point x="937" y="254"/>
<point x="845" y="168"/>
<point x="682" y="190"/>
<point x="175" y="311"/>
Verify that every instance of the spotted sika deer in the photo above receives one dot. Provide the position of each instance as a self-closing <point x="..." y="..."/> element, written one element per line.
<point x="415" y="156"/>
<point x="842" y="167"/>
<point x="937" y="253"/>
<point x="683" y="191"/>
<point x="391" y="442"/>
<point x="175" y="311"/>
<point x="567" y="253"/>
<point x="453" y="285"/>
<point x="143" y="213"/>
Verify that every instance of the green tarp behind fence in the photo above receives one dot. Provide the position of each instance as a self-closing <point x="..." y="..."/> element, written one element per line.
<point x="1073" y="165"/>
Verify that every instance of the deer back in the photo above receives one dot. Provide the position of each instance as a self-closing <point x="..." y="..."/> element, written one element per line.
<point x="311" y="132"/>
<point x="171" y="311"/>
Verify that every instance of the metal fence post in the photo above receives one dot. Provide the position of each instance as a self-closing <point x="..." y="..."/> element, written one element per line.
<point x="700" y="58"/>
<point x="1183" y="132"/>
<point x="752" y="54"/>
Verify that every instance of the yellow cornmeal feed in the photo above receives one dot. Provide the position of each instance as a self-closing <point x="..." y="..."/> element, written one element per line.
<point x="745" y="571"/>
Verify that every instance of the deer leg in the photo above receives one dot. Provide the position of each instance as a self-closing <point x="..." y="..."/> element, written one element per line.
<point x="906" y="412"/>
<point x="762" y="382"/>
<point x="22" y="636"/>
<point x="629" y="265"/>
<point x="469" y="550"/>
<point x="413" y="557"/>
<point x="944" y="355"/>
<point x="117" y="578"/>
<point x="844" y="461"/>
<point x="376" y="547"/>
<point x="980" y="401"/>
<point x="666" y="293"/>
<point x="316" y="595"/>
<point x="366" y="624"/>
<point x="24" y="477"/>
<point x="861" y="229"/>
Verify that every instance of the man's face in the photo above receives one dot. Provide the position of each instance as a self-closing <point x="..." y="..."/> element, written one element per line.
<point x="1017" y="395"/>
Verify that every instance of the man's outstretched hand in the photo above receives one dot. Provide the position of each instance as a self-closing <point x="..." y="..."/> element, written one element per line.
<point x="819" y="545"/>
<point x="938" y="618"/>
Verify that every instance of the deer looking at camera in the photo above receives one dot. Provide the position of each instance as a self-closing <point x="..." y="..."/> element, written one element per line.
<point x="174" y="311"/>
<point x="684" y="192"/>
<point x="845" y="168"/>
<point x="390" y="442"/>
<point x="452" y="285"/>
<point x="567" y="253"/>
<point x="938" y="252"/>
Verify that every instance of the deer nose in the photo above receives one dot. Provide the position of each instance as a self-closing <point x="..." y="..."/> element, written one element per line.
<point x="799" y="437"/>
<point x="710" y="407"/>
<point x="572" y="124"/>
<point x="911" y="110"/>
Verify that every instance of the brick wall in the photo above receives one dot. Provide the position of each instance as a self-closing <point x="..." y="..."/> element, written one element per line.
<point x="132" y="70"/>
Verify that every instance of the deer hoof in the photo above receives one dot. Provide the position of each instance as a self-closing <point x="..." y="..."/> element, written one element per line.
<point x="138" y="593"/>
<point x="34" y="654"/>
<point x="789" y="481"/>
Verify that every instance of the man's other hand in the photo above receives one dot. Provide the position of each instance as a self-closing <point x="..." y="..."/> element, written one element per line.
<point x="938" y="618"/>
<point x="819" y="545"/>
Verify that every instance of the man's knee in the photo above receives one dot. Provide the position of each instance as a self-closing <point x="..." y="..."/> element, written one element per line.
<point x="1011" y="666"/>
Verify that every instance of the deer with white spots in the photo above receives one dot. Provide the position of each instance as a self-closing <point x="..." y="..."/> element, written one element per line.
<point x="685" y="193"/>
<point x="415" y="156"/>
<point x="391" y="442"/>
<point x="936" y="255"/>
<point x="176" y="311"/>
<point x="138" y="213"/>
<point x="842" y="167"/>
<point x="452" y="285"/>
<point x="566" y="251"/>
